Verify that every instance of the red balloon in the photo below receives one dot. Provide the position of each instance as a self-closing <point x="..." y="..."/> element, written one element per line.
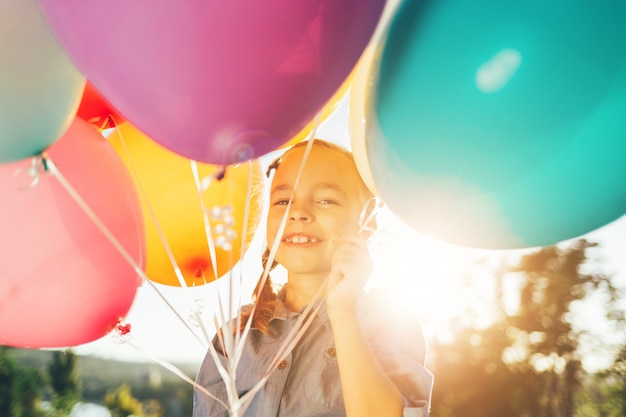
<point x="217" y="81"/>
<point x="62" y="283"/>
<point x="96" y="110"/>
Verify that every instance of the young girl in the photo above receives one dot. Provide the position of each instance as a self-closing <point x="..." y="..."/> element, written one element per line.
<point x="360" y="355"/>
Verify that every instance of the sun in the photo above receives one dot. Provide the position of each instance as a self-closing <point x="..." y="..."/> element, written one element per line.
<point x="437" y="281"/>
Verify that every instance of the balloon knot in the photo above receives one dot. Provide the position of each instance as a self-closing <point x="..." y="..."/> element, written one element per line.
<point x="45" y="162"/>
<point x="123" y="329"/>
<point x="199" y="272"/>
<point x="39" y="165"/>
<point x="368" y="214"/>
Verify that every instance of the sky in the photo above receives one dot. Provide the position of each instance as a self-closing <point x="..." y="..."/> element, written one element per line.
<point x="435" y="269"/>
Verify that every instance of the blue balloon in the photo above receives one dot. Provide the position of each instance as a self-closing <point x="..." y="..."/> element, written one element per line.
<point x="40" y="89"/>
<point x="498" y="124"/>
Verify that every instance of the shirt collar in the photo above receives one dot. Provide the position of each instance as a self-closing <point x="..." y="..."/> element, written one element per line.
<point x="281" y="312"/>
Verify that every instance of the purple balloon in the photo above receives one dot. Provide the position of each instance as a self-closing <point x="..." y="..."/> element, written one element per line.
<point x="216" y="81"/>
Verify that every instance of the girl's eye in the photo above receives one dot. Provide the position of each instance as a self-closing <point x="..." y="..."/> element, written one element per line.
<point x="281" y="202"/>
<point x="327" y="201"/>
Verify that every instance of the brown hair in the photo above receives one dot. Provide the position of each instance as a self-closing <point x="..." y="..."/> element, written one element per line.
<point x="264" y="295"/>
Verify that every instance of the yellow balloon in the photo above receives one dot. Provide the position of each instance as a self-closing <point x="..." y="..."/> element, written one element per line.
<point x="359" y="96"/>
<point x="165" y="181"/>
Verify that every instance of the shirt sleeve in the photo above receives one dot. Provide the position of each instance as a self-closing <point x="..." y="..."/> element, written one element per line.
<point x="397" y="340"/>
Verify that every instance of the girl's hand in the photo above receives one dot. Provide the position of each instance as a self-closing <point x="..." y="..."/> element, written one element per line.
<point x="351" y="268"/>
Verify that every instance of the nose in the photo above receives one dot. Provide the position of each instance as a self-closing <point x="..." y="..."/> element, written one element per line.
<point x="299" y="212"/>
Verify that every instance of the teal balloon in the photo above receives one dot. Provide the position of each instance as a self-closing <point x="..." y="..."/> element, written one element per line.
<point x="40" y="89"/>
<point x="499" y="124"/>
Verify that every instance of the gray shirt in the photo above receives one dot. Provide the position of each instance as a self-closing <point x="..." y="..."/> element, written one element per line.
<point x="306" y="383"/>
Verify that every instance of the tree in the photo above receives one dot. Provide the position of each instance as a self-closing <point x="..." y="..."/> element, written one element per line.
<point x="611" y="401"/>
<point x="28" y="391"/>
<point x="7" y="380"/>
<point x="64" y="381"/>
<point x="527" y="362"/>
<point x="152" y="408"/>
<point x="471" y="379"/>
<point x="121" y="402"/>
<point x="20" y="387"/>
<point x="620" y="369"/>
<point x="555" y="279"/>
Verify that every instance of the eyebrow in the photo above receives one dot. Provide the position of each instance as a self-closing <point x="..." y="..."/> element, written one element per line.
<point x="319" y="186"/>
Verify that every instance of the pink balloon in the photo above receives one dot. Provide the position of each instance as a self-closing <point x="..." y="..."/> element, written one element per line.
<point x="62" y="283"/>
<point x="216" y="81"/>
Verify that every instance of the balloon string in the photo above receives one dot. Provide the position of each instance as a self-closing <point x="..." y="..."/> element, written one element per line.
<point x="205" y="217"/>
<point x="296" y="333"/>
<point x="281" y="229"/>
<point x="228" y="376"/>
<point x="34" y="171"/>
<point x="244" y="239"/>
<point x="241" y="336"/>
<point x="146" y="200"/>
<point x="308" y="315"/>
<point x="302" y="324"/>
<point x="177" y="271"/>
<point x="234" y="352"/>
<point x="229" y="344"/>
<point x="173" y="309"/>
<point x="175" y="370"/>
<point x="389" y="10"/>
<point x="51" y="167"/>
<point x="228" y="373"/>
<point x="209" y="237"/>
<point x="371" y="209"/>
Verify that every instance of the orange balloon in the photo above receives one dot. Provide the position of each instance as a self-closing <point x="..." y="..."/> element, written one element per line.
<point x="97" y="111"/>
<point x="170" y="192"/>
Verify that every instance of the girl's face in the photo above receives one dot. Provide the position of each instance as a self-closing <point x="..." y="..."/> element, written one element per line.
<point x="326" y="205"/>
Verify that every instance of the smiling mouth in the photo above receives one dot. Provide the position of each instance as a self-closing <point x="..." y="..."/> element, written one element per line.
<point x="299" y="239"/>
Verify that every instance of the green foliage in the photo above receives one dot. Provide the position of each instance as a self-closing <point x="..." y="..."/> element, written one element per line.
<point x="609" y="396"/>
<point x="152" y="408"/>
<point x="527" y="363"/>
<point x="174" y="395"/>
<point x="150" y="383"/>
<point x="7" y="380"/>
<point x="64" y="381"/>
<point x="20" y="387"/>
<point x="600" y="397"/>
<point x="121" y="402"/>
<point x="29" y="386"/>
<point x="63" y="372"/>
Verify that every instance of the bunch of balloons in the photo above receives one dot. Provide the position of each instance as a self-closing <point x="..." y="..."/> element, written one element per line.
<point x="482" y="123"/>
<point x="188" y="94"/>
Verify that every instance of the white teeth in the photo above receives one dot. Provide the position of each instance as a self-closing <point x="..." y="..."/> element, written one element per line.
<point x="300" y="239"/>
